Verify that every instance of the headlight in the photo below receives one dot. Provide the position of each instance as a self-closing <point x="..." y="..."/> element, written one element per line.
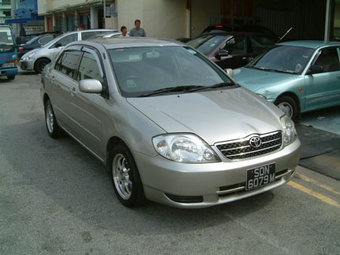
<point x="185" y="148"/>
<point x="289" y="131"/>
<point x="9" y="64"/>
<point x="28" y="55"/>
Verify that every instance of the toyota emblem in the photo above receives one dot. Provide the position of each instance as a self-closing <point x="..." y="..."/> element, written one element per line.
<point x="255" y="142"/>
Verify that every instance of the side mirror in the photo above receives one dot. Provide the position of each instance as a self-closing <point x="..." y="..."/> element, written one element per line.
<point x="90" y="86"/>
<point x="315" y="69"/>
<point x="221" y="53"/>
<point x="230" y="72"/>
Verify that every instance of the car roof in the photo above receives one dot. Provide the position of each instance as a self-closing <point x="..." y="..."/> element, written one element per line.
<point x="125" y="42"/>
<point x="242" y="28"/>
<point x="314" y="44"/>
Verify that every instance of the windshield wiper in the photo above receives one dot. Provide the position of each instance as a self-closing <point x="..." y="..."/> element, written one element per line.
<point x="172" y="89"/>
<point x="191" y="88"/>
<point x="285" y="71"/>
<point x="217" y="85"/>
<point x="262" y="68"/>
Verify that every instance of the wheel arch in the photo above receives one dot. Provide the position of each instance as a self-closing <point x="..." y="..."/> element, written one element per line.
<point x="41" y="58"/>
<point x="294" y="97"/>
<point x="110" y="144"/>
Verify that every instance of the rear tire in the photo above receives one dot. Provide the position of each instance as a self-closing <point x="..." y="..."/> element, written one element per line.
<point x="288" y="106"/>
<point x="52" y="127"/>
<point x="40" y="64"/>
<point x="125" y="177"/>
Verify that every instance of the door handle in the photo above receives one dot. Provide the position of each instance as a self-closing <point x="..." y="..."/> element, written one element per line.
<point x="73" y="91"/>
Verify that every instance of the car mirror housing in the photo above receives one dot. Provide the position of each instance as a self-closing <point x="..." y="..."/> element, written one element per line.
<point x="230" y="72"/>
<point x="90" y="86"/>
<point x="316" y="69"/>
<point x="222" y="53"/>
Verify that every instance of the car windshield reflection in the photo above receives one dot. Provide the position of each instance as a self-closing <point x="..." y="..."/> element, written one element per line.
<point x="285" y="59"/>
<point x="151" y="71"/>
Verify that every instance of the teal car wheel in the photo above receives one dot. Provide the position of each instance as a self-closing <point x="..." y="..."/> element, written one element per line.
<point x="288" y="106"/>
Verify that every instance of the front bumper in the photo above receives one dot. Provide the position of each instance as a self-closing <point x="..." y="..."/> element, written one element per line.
<point x="26" y="65"/>
<point x="203" y="185"/>
<point x="8" y="71"/>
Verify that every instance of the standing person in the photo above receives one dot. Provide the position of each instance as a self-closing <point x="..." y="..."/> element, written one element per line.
<point x="137" y="30"/>
<point x="123" y="29"/>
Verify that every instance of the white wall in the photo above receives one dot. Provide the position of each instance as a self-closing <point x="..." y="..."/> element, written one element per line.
<point x="48" y="5"/>
<point x="159" y="18"/>
<point x="201" y="13"/>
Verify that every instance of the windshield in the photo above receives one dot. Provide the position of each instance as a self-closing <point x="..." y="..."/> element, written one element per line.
<point x="148" y="71"/>
<point x="6" y="37"/>
<point x="288" y="59"/>
<point x="207" y="43"/>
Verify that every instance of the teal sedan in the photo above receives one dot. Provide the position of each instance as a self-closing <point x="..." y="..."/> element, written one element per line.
<point x="297" y="76"/>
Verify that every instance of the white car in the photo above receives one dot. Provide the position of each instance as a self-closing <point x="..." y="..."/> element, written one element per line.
<point x="35" y="60"/>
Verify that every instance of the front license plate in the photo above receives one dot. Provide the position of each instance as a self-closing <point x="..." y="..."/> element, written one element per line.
<point x="259" y="176"/>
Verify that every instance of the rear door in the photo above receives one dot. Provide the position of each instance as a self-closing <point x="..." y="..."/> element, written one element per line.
<point x="62" y="88"/>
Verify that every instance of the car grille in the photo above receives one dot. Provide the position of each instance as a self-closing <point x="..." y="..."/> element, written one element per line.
<point x="241" y="148"/>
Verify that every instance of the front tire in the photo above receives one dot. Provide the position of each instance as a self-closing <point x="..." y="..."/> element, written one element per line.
<point x="52" y="127"/>
<point x="125" y="177"/>
<point x="40" y="64"/>
<point x="11" y="77"/>
<point x="288" y="106"/>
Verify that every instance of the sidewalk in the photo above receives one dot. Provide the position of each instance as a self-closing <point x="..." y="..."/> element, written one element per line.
<point x="320" y="150"/>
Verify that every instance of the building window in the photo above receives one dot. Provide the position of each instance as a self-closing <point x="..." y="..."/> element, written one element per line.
<point x="7" y="13"/>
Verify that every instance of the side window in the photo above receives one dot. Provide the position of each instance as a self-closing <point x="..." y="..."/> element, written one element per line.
<point x="86" y="35"/>
<point x="66" y="40"/>
<point x="236" y="45"/>
<point x="89" y="68"/>
<point x="328" y="59"/>
<point x="68" y="62"/>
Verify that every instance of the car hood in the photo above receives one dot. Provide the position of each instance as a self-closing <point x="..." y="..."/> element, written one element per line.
<point x="32" y="51"/>
<point x="255" y="80"/>
<point x="213" y="115"/>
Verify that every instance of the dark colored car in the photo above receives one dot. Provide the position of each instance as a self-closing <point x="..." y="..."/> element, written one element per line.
<point x="35" y="42"/>
<point x="232" y="49"/>
<point x="242" y="28"/>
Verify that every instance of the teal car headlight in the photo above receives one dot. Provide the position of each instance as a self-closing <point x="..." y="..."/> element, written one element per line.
<point x="289" y="131"/>
<point x="184" y="148"/>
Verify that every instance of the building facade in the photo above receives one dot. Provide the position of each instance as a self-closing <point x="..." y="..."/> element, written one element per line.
<point x="187" y="18"/>
<point x="5" y="10"/>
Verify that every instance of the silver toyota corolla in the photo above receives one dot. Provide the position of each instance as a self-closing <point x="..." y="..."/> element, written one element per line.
<point x="169" y="125"/>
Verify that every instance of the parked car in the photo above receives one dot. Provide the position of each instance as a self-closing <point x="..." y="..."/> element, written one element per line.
<point x="25" y="38"/>
<point x="297" y="76"/>
<point x="182" y="136"/>
<point x="242" y="28"/>
<point x="233" y="49"/>
<point x="108" y="35"/>
<point x="35" y="60"/>
<point x="34" y="43"/>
